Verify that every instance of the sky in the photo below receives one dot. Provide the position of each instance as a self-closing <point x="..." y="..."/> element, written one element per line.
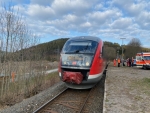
<point x="110" y="20"/>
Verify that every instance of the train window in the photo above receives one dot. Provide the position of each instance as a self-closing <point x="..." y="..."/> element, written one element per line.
<point x="102" y="51"/>
<point x="86" y="46"/>
<point x="80" y="43"/>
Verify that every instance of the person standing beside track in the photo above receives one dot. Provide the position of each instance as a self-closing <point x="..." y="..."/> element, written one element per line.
<point x="114" y="62"/>
<point x="127" y="62"/>
<point x="119" y="62"/>
<point x="132" y="61"/>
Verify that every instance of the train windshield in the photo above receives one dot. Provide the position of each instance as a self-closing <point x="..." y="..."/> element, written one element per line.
<point x="74" y="47"/>
<point x="78" y="53"/>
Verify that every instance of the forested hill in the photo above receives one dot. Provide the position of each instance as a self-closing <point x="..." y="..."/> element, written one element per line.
<point x="52" y="46"/>
<point x="56" y="46"/>
<point x="50" y="50"/>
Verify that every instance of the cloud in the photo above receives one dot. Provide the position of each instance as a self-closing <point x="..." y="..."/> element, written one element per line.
<point x="19" y="8"/>
<point x="78" y="7"/>
<point x="144" y="20"/>
<point x="42" y="2"/>
<point x="98" y="6"/>
<point x="69" y="21"/>
<point x="130" y="7"/>
<point x="135" y="9"/>
<point x="86" y="25"/>
<point x="121" y="23"/>
<point x="102" y="19"/>
<point x="40" y="12"/>
<point x="109" y="19"/>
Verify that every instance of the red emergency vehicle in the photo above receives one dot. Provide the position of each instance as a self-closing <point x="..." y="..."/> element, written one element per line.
<point x="143" y="60"/>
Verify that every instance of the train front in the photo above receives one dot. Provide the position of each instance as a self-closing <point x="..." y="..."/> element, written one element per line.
<point x="76" y="63"/>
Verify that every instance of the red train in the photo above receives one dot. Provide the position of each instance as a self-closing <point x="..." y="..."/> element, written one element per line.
<point x="82" y="63"/>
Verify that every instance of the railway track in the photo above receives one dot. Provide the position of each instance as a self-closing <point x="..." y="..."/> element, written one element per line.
<point x="68" y="101"/>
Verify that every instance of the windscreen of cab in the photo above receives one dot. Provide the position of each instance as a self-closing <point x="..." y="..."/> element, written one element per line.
<point x="78" y="53"/>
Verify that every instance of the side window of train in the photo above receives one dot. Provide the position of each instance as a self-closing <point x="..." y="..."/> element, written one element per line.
<point x="102" y="52"/>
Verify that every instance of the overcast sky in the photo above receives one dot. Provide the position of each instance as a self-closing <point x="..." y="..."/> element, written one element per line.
<point x="108" y="19"/>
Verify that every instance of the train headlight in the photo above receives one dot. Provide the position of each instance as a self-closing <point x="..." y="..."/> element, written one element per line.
<point x="87" y="63"/>
<point x="87" y="60"/>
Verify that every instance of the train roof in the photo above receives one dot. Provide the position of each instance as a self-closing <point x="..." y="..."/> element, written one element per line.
<point x="97" y="39"/>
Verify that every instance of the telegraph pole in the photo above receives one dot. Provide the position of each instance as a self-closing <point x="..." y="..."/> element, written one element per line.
<point x="122" y="50"/>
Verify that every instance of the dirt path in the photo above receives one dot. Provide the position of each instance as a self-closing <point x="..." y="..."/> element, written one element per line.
<point x="127" y="90"/>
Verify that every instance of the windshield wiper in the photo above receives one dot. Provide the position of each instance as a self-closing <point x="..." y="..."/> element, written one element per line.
<point x="86" y="46"/>
<point x="71" y="52"/>
<point x="77" y="51"/>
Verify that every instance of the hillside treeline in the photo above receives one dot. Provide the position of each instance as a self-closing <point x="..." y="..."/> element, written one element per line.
<point x="47" y="51"/>
<point x="114" y="50"/>
<point x="51" y="50"/>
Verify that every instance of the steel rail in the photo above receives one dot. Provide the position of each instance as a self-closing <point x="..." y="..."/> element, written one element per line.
<point x="84" y="102"/>
<point x="44" y="105"/>
<point x="81" y="109"/>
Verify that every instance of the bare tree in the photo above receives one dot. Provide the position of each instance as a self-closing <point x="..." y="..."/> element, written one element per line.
<point x="15" y="37"/>
<point x="20" y="57"/>
<point x="133" y="47"/>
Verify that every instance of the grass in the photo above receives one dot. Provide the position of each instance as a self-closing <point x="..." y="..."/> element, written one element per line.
<point x="146" y="85"/>
<point x="143" y="85"/>
<point x="107" y="100"/>
<point x="51" y="75"/>
<point x="138" y="97"/>
<point x="26" y="88"/>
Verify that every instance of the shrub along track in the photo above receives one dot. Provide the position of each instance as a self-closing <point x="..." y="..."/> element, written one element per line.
<point x="73" y="101"/>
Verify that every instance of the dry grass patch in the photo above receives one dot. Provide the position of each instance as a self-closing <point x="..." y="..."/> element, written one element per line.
<point x="143" y="85"/>
<point x="26" y="88"/>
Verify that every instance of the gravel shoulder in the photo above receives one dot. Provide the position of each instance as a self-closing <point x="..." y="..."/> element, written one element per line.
<point x="127" y="90"/>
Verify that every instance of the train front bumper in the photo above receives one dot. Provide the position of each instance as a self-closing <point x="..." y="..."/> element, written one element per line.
<point x="85" y="84"/>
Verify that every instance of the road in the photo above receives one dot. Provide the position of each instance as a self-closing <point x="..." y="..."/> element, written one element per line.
<point x="50" y="71"/>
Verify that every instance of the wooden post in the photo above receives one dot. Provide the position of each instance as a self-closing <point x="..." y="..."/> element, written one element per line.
<point x="13" y="76"/>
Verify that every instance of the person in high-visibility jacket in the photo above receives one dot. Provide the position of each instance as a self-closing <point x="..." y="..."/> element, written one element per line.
<point x="114" y="62"/>
<point x="119" y="62"/>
